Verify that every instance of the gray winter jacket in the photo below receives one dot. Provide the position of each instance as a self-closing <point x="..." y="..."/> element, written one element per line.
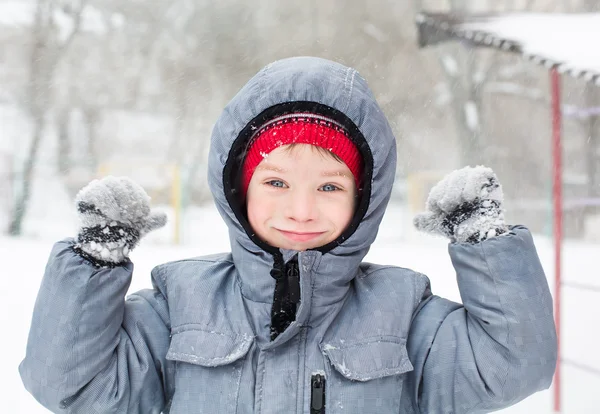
<point x="367" y="338"/>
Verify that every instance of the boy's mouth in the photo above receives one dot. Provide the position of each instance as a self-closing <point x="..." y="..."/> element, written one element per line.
<point x="300" y="236"/>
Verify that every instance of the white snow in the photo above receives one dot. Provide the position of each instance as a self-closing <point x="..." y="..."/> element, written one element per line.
<point x="450" y="65"/>
<point x="23" y="260"/>
<point x="16" y="13"/>
<point x="375" y="32"/>
<point x="569" y="39"/>
<point x="471" y="115"/>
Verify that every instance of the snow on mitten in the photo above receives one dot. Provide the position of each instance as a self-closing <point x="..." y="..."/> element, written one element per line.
<point x="115" y="214"/>
<point x="465" y="206"/>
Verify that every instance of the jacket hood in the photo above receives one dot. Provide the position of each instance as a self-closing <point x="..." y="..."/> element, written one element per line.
<point x="293" y="85"/>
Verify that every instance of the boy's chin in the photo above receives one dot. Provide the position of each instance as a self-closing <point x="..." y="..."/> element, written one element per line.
<point x="302" y="246"/>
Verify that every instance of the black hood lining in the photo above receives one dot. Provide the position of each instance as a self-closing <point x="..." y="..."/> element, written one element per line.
<point x="232" y="171"/>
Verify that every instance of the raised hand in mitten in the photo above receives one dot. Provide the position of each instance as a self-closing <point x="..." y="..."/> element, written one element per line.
<point x="115" y="214"/>
<point x="465" y="206"/>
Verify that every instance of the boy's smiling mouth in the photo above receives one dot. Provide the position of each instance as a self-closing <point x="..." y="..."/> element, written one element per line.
<point x="300" y="236"/>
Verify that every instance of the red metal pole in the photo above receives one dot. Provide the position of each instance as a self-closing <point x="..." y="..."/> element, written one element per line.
<point x="558" y="213"/>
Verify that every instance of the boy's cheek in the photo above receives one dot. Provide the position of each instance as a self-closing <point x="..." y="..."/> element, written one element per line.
<point x="342" y="206"/>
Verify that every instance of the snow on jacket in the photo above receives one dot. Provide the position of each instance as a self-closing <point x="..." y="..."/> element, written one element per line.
<point x="367" y="338"/>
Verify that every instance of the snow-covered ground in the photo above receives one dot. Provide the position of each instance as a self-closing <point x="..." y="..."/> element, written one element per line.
<point x="23" y="260"/>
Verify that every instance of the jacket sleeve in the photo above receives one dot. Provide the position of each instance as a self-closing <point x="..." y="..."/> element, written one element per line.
<point x="90" y="350"/>
<point x="497" y="348"/>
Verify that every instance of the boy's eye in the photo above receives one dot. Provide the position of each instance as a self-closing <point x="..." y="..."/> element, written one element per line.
<point x="329" y="187"/>
<point x="276" y="183"/>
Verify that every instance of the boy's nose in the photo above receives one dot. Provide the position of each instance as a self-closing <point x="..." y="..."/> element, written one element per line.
<point x="301" y="206"/>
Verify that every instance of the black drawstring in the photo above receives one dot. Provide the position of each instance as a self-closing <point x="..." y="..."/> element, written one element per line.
<point x="286" y="294"/>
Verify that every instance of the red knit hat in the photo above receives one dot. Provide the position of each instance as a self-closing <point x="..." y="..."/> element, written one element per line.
<point x="300" y="128"/>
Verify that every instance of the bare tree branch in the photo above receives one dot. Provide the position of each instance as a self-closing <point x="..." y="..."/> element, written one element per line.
<point x="77" y="16"/>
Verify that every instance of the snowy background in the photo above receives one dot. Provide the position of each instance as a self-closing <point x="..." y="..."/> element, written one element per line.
<point x="126" y="87"/>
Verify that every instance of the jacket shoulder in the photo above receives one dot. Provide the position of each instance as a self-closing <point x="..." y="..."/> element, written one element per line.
<point x="200" y="293"/>
<point x="189" y="271"/>
<point x="394" y="281"/>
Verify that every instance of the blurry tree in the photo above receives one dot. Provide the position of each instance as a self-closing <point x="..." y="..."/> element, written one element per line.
<point x="49" y="44"/>
<point x="107" y="71"/>
<point x="121" y="71"/>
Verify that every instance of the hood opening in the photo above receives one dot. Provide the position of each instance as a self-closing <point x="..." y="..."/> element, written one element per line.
<point x="232" y="174"/>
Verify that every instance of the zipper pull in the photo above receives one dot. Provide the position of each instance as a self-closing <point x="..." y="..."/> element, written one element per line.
<point x="317" y="394"/>
<point x="293" y="276"/>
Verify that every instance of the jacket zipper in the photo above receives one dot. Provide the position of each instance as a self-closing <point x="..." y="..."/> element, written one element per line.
<point x="317" y="394"/>
<point x="293" y="275"/>
<point x="286" y="295"/>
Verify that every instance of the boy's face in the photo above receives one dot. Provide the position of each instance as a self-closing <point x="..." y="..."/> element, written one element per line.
<point x="300" y="198"/>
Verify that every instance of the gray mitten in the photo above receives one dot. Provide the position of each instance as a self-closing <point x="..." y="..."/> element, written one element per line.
<point x="465" y="206"/>
<point x="115" y="214"/>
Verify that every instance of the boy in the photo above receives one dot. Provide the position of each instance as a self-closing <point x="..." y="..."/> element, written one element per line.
<point x="301" y="167"/>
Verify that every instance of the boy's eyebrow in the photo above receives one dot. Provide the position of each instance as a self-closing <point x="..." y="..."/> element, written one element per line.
<point x="326" y="173"/>
<point x="270" y="167"/>
<point x="336" y="173"/>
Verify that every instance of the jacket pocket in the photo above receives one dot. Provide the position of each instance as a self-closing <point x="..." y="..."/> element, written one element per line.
<point x="209" y="368"/>
<point x="365" y="375"/>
